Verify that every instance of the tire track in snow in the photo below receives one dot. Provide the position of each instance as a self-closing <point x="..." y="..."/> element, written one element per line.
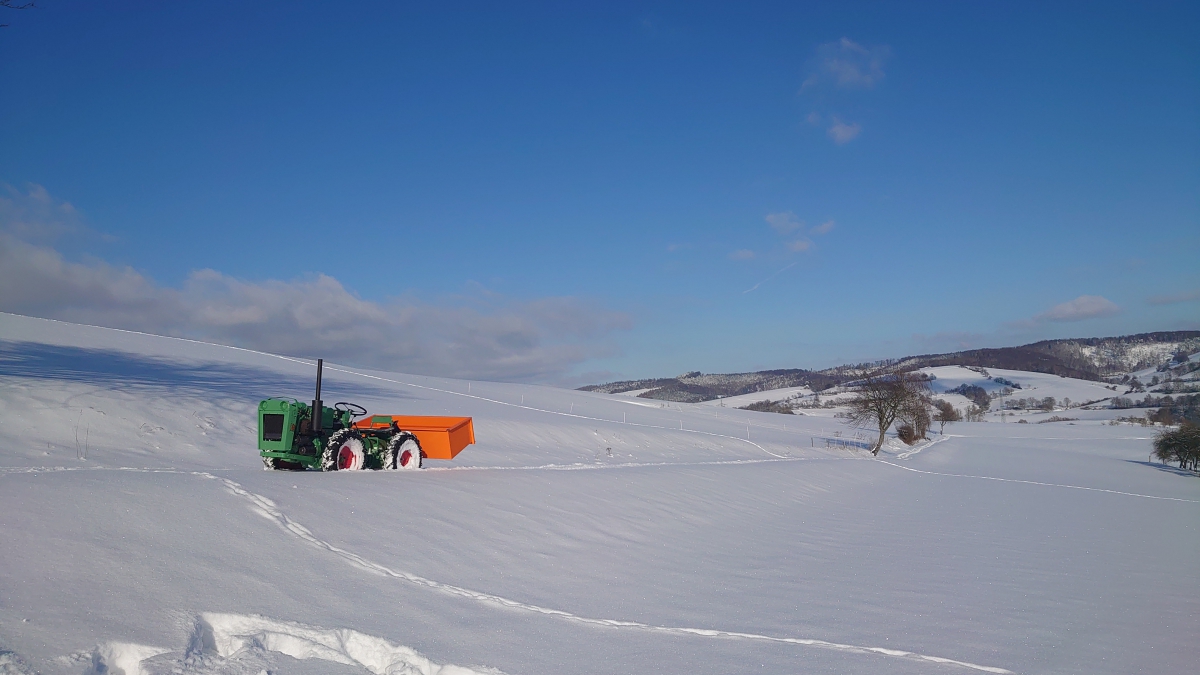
<point x="919" y="448"/>
<point x="1057" y="438"/>
<point x="269" y="510"/>
<point x="638" y="465"/>
<point x="14" y="470"/>
<point x="1034" y="482"/>
<point x="9" y="470"/>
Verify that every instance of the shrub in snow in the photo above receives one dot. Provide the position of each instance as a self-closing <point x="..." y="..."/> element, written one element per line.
<point x="770" y="406"/>
<point x="945" y="414"/>
<point x="1006" y="382"/>
<point x="1056" y="418"/>
<point x="1180" y="445"/>
<point x="977" y="394"/>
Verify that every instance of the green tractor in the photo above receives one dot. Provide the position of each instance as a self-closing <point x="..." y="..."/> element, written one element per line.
<point x="290" y="437"/>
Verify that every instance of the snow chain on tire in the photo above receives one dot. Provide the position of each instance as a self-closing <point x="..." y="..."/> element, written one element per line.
<point x="400" y="443"/>
<point x="329" y="458"/>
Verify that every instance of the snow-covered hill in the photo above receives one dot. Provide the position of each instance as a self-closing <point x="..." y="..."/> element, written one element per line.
<point x="1021" y="384"/>
<point x="1016" y="393"/>
<point x="584" y="533"/>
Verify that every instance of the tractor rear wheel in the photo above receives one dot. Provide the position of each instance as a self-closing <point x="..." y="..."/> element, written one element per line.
<point x="404" y="452"/>
<point x="344" y="452"/>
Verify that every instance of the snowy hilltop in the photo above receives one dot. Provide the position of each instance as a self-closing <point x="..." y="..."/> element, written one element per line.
<point x="1086" y="371"/>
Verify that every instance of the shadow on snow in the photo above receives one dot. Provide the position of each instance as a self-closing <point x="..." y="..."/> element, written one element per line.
<point x="123" y="370"/>
<point x="1163" y="467"/>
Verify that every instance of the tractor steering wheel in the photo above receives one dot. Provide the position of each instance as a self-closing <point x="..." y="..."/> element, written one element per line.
<point x="353" y="408"/>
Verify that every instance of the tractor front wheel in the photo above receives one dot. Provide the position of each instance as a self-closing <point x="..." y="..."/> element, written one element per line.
<point x="404" y="452"/>
<point x="276" y="464"/>
<point x="344" y="452"/>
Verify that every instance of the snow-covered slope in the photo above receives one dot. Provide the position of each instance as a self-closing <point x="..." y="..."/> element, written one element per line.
<point x="758" y="396"/>
<point x="1068" y="393"/>
<point x="585" y="533"/>
<point x="946" y="378"/>
<point x="1035" y="385"/>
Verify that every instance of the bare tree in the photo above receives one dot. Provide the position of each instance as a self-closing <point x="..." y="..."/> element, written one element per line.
<point x="914" y="416"/>
<point x="882" y="398"/>
<point x="945" y="414"/>
<point x="1179" y="445"/>
<point x="9" y="4"/>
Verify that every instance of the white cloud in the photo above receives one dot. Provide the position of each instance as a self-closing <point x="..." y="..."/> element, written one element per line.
<point x="742" y="254"/>
<point x="843" y="133"/>
<point x="784" y="221"/>
<point x="847" y="64"/>
<point x="1171" y="299"/>
<point x="537" y="340"/>
<point x="843" y="64"/>
<point x="33" y="215"/>
<point x="823" y="228"/>
<point x="1083" y="307"/>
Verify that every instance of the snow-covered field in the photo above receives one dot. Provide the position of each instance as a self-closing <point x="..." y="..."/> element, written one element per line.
<point x="584" y="533"/>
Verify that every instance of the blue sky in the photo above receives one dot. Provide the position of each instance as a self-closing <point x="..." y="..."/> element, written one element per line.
<point x="569" y="194"/>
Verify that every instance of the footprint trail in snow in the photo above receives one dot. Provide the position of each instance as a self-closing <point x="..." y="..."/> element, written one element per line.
<point x="268" y="509"/>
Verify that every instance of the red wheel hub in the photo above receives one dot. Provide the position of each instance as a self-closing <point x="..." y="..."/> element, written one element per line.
<point x="345" y="457"/>
<point x="406" y="458"/>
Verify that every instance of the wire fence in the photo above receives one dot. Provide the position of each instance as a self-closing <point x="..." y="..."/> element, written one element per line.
<point x="846" y="443"/>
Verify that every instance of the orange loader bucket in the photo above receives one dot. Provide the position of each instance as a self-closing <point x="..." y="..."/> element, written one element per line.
<point x="440" y="437"/>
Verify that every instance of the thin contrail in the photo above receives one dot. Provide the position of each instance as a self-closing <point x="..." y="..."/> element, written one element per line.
<point x="755" y="286"/>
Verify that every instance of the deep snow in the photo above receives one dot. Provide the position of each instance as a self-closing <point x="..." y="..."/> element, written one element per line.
<point x="583" y="534"/>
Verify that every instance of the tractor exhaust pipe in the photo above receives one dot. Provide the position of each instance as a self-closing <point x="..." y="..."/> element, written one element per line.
<point x="315" y="421"/>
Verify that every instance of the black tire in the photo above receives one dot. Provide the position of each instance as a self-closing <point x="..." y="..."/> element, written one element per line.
<point x="403" y="452"/>
<point x="334" y="459"/>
